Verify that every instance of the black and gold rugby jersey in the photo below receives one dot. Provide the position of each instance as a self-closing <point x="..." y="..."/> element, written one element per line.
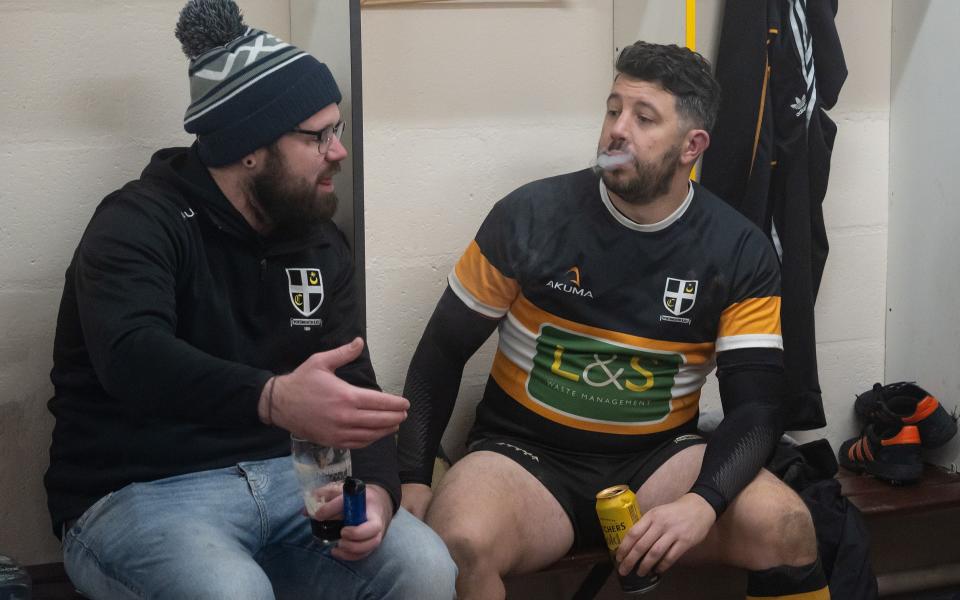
<point x="611" y="327"/>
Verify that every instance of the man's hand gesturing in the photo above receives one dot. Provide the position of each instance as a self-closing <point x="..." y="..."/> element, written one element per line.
<point x="314" y="404"/>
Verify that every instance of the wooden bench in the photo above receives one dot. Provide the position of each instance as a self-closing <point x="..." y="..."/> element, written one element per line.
<point x="50" y="582"/>
<point x="914" y="530"/>
<point x="914" y="544"/>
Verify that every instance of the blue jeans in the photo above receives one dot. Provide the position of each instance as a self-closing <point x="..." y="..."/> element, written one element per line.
<point x="238" y="533"/>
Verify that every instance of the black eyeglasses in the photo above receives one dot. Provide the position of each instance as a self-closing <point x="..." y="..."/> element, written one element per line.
<point x="324" y="136"/>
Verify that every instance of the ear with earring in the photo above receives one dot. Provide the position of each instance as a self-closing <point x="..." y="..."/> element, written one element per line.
<point x="249" y="162"/>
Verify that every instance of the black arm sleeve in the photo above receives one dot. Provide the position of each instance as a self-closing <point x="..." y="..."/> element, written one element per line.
<point x="453" y="334"/>
<point x="751" y="390"/>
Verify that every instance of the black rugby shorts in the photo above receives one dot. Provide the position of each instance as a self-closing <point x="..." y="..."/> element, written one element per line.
<point x="575" y="478"/>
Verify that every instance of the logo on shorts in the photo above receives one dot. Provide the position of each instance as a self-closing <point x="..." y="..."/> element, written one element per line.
<point x="529" y="455"/>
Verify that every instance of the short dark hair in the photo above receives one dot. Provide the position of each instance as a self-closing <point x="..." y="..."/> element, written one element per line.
<point x="682" y="72"/>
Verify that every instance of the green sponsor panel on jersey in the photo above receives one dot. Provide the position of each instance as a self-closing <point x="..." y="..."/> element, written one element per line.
<point x="594" y="379"/>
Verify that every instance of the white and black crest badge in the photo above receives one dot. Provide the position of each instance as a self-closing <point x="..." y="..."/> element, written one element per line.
<point x="306" y="290"/>
<point x="679" y="295"/>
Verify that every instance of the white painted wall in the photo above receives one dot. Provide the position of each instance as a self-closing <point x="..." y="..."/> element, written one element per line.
<point x="90" y="90"/>
<point x="923" y="326"/>
<point x="462" y="104"/>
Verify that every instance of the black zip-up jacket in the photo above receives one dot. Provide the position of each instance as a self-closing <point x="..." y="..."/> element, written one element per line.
<point x="174" y="315"/>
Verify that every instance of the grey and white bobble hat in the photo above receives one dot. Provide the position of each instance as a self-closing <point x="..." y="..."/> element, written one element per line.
<point x="247" y="87"/>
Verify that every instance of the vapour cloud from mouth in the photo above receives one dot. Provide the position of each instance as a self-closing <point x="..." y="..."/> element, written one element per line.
<point x="608" y="162"/>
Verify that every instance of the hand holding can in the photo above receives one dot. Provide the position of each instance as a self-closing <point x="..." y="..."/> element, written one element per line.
<point x="618" y="511"/>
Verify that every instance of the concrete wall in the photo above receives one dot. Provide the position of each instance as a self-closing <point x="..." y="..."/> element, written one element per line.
<point x="90" y="90"/>
<point x="923" y="326"/>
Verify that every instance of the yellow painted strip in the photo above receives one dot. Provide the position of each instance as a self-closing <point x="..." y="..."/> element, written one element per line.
<point x="485" y="281"/>
<point x="691" y="29"/>
<point x="691" y="42"/>
<point x="513" y="380"/>
<point x="532" y="317"/>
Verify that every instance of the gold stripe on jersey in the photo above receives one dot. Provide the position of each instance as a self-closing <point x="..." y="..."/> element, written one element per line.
<point x="484" y="283"/>
<point x="751" y="323"/>
<point x="512" y="379"/>
<point x="533" y="317"/>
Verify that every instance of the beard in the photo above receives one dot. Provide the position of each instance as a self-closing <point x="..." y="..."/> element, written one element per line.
<point x="292" y="206"/>
<point x="652" y="179"/>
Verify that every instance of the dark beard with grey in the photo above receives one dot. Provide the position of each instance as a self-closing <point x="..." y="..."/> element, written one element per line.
<point x="292" y="207"/>
<point x="652" y="181"/>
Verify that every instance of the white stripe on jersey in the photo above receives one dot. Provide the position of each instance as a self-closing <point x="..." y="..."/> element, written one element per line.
<point x="751" y="340"/>
<point x="475" y="305"/>
<point x="517" y="343"/>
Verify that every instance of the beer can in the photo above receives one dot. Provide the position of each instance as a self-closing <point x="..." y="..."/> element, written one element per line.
<point x="618" y="512"/>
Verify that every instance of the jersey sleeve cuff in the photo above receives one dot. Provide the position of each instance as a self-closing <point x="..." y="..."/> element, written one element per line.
<point x="713" y="497"/>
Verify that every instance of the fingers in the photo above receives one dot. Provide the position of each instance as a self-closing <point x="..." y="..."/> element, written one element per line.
<point x="416" y="498"/>
<point x="378" y="419"/>
<point x="374" y="401"/>
<point x="676" y="551"/>
<point x="359" y="541"/>
<point x="361" y="438"/>
<point x="657" y="548"/>
<point x="373" y="416"/>
<point x="332" y="360"/>
<point x="330" y="510"/>
<point x="655" y="556"/>
<point x="636" y="544"/>
<point x="630" y="540"/>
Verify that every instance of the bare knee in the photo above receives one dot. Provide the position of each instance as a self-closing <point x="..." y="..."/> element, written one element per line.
<point x="471" y="547"/>
<point x="784" y="531"/>
<point x="482" y="511"/>
<point x="766" y="526"/>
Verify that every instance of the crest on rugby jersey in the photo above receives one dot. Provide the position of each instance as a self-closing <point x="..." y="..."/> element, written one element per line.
<point x="679" y="295"/>
<point x="306" y="289"/>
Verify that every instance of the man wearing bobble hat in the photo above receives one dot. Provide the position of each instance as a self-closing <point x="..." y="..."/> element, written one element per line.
<point x="208" y="313"/>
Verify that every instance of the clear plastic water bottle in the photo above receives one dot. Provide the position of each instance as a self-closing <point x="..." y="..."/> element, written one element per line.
<point x="14" y="580"/>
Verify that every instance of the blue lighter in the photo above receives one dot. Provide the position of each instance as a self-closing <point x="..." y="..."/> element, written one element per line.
<point x="354" y="502"/>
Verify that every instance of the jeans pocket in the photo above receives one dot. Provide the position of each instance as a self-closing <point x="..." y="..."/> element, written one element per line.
<point x="91" y="512"/>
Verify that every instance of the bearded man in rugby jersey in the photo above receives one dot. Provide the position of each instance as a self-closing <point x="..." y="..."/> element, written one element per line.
<point x="616" y="291"/>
